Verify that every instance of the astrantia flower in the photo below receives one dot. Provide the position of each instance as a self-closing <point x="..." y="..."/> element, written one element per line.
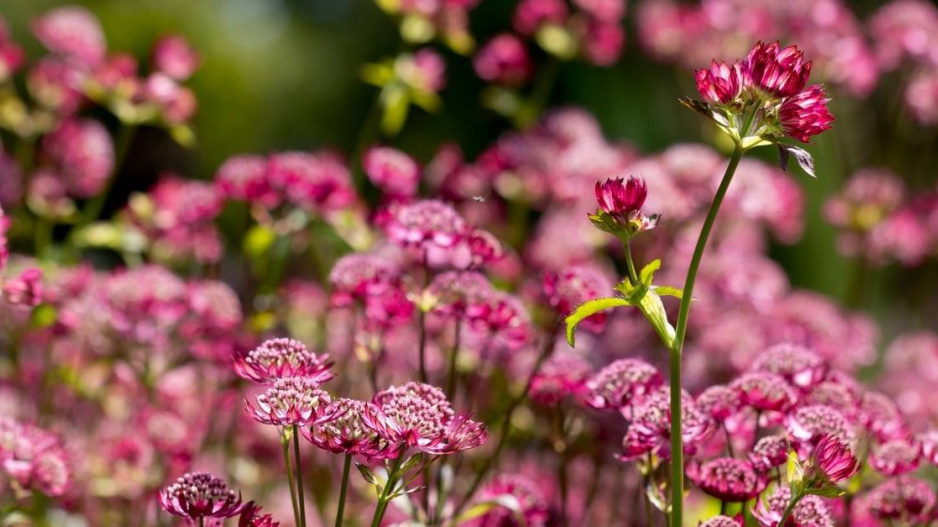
<point x="564" y="374"/>
<point x="419" y="416"/>
<point x="832" y="460"/>
<point x="720" y="401"/>
<point x="74" y="32"/>
<point x="425" y="225"/>
<point x="341" y="429"/>
<point x="721" y="521"/>
<point x="808" y="424"/>
<point x="574" y="285"/>
<point x="357" y="276"/>
<point x="906" y="498"/>
<point x="929" y="442"/>
<point x="34" y="458"/>
<point x="776" y="71"/>
<point x="24" y="289"/>
<point x="289" y="402"/>
<point x="245" y="178"/>
<point x="199" y="495"/>
<point x="768" y="453"/>
<point x="281" y="358"/>
<point x="796" y="364"/>
<point x="620" y="204"/>
<point x="765" y="391"/>
<point x="503" y="60"/>
<point x="516" y="498"/>
<point x="895" y="457"/>
<point x="650" y="429"/>
<point x="727" y="479"/>
<point x="621" y="384"/>
<point x="811" y="511"/>
<point x="806" y="114"/>
<point x="251" y="517"/>
<point x="881" y="416"/>
<point x="457" y="292"/>
<point x="721" y="84"/>
<point x="83" y="152"/>
<point x="392" y="171"/>
<point x="174" y="57"/>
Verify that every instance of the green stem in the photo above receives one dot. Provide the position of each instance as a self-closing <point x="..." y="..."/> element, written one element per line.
<point x="286" y="460"/>
<point x="422" y="322"/>
<point x="451" y="376"/>
<point x="383" y="499"/>
<point x="300" y="497"/>
<point x="677" y="440"/>
<point x="344" y="489"/>
<point x="633" y="276"/>
<point x="791" y="508"/>
<point x="505" y="426"/>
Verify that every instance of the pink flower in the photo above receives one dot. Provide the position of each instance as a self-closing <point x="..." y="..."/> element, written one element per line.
<point x="357" y="277"/>
<point x="621" y="199"/>
<point x="721" y="84"/>
<point x="929" y="442"/>
<point x="199" y="495"/>
<point x="292" y="401"/>
<point x="84" y="154"/>
<point x="530" y="15"/>
<point x="425" y="225"/>
<point x="458" y="292"/>
<point x="833" y="460"/>
<point x="503" y="60"/>
<point x="25" y="289"/>
<point x="796" y="364"/>
<point x="807" y="425"/>
<point x="341" y="429"/>
<point x="622" y="384"/>
<point x="318" y="181"/>
<point x="245" y="178"/>
<point x="906" y="498"/>
<point x="173" y="56"/>
<point x="177" y="103"/>
<point x="727" y="479"/>
<point x="563" y="375"/>
<point x="516" y="497"/>
<point x="895" y="457"/>
<point x="74" y="32"/>
<point x="602" y="42"/>
<point x="775" y="71"/>
<point x="720" y="402"/>
<point x="251" y="517"/>
<point x="722" y="521"/>
<point x="392" y="171"/>
<point x="282" y="358"/>
<point x="811" y="511"/>
<point x="650" y="428"/>
<point x="55" y="84"/>
<point x="34" y="458"/>
<point x="805" y="114"/>
<point x="575" y="285"/>
<point x="765" y="391"/>
<point x="423" y="71"/>
<point x="768" y="453"/>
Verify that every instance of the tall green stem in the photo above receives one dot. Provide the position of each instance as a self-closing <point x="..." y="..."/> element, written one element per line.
<point x="286" y="460"/>
<point x="791" y="508"/>
<point x="451" y="376"/>
<point x="300" y="497"/>
<point x="340" y="511"/>
<point x="386" y="493"/>
<point x="626" y="246"/>
<point x="677" y="347"/>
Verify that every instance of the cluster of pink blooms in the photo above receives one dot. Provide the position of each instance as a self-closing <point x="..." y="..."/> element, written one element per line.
<point x="22" y="289"/>
<point x="881" y="222"/>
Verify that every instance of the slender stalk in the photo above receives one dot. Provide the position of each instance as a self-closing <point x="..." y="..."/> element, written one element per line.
<point x="286" y="460"/>
<point x="344" y="489"/>
<point x="422" y="321"/>
<point x="677" y="440"/>
<point x="633" y="276"/>
<point x="300" y="497"/>
<point x="505" y="426"/>
<point x="451" y="376"/>
<point x="384" y="498"/>
<point x="791" y="508"/>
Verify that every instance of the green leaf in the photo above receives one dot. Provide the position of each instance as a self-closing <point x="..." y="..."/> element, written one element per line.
<point x="647" y="273"/>
<point x="795" y="472"/>
<point x="366" y="473"/>
<point x="665" y="290"/>
<point x="590" y="308"/>
<point x="827" y="491"/>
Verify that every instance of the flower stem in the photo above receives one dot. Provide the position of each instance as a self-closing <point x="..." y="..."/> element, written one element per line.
<point x="345" y="473"/>
<point x="386" y="492"/>
<point x="451" y="376"/>
<point x="300" y="498"/>
<point x="677" y="347"/>
<point x="286" y="460"/>
<point x="422" y="321"/>
<point x="791" y="508"/>
<point x="633" y="276"/>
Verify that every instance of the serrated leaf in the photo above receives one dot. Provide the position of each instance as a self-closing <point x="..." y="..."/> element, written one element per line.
<point x="647" y="274"/>
<point x="802" y="157"/>
<point x="587" y="309"/>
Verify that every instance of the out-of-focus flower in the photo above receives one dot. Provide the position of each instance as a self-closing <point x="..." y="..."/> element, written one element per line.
<point x="410" y="78"/>
<point x="199" y="495"/>
<point x="895" y="457"/>
<point x="765" y="391"/>
<point x="291" y="401"/>
<point x="728" y="479"/>
<point x="573" y="286"/>
<point x="283" y="358"/>
<point x="809" y="424"/>
<point x="868" y="198"/>
<point x="622" y="384"/>
<point x="516" y="496"/>
<point x="34" y="458"/>
<point x="810" y="510"/>
<point x="392" y="171"/>
<point x="425" y="226"/>
<point x="650" y="428"/>
<point x="24" y="289"/>
<point x="245" y="178"/>
<point x="768" y="453"/>
<point x="83" y="153"/>
<point x="503" y="60"/>
<point x="73" y="32"/>
<point x="562" y="375"/>
<point x="173" y="56"/>
<point x="903" y="497"/>
<point x="720" y="401"/>
<point x="796" y="364"/>
<point x="317" y="181"/>
<point x="721" y="521"/>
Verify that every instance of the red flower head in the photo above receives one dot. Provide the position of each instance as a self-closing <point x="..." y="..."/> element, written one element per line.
<point x="341" y="429"/>
<point x="622" y="384"/>
<point x="805" y="114"/>
<point x="200" y="495"/>
<point x="906" y="498"/>
<point x="728" y="479"/>
<point x="833" y="460"/>
<point x="288" y="402"/>
<point x="896" y="457"/>
<point x="775" y="71"/>
<point x="503" y="60"/>
<point x="392" y="171"/>
<point x="721" y="84"/>
<point x="281" y="358"/>
<point x="251" y="517"/>
<point x="765" y="391"/>
<point x="796" y="364"/>
<point x="768" y="453"/>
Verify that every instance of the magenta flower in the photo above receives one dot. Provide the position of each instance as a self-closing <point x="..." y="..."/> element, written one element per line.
<point x="25" y="289"/>
<point x="780" y="72"/>
<point x="807" y="425"/>
<point x="721" y="84"/>
<point x="765" y="391"/>
<point x="34" y="458"/>
<point x="503" y="60"/>
<point x="280" y="358"/>
<point x="290" y="401"/>
<point x="419" y="416"/>
<point x="811" y="511"/>
<point x="251" y="517"/>
<point x="317" y="181"/>
<point x="341" y="429"/>
<point x="425" y="225"/>
<point x="722" y="521"/>
<point x="199" y="495"/>
<point x="563" y="375"/>
<point x="727" y="479"/>
<point x="245" y="178"/>
<point x="530" y="15"/>
<point x="622" y="201"/>
<point x="574" y="285"/>
<point x="83" y="153"/>
<point x="720" y="402"/>
<point x="392" y="171"/>
<point x="73" y="32"/>
<point x="768" y="453"/>
<point x="517" y="498"/>
<point x="622" y="384"/>
<point x="897" y="456"/>
<point x="833" y="460"/>
<point x="796" y="364"/>
<point x="805" y="114"/>
<point x="904" y="498"/>
<point x="459" y="292"/>
<point x="650" y="428"/>
<point x="929" y="442"/>
<point x="357" y="276"/>
<point x="174" y="57"/>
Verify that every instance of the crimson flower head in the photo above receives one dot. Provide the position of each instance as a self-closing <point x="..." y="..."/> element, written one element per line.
<point x="768" y="453"/>
<point x="722" y="521"/>
<point x="728" y="479"/>
<point x="341" y="429"/>
<point x="620" y="203"/>
<point x="622" y="384"/>
<point x="291" y="401"/>
<point x="906" y="498"/>
<point x="897" y="456"/>
<point x="720" y="84"/>
<point x="425" y="225"/>
<point x="281" y="358"/>
<point x="199" y="495"/>
<point x="251" y="517"/>
<point x="765" y="391"/>
<point x="777" y="71"/>
<point x="805" y="114"/>
<point x="833" y="460"/>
